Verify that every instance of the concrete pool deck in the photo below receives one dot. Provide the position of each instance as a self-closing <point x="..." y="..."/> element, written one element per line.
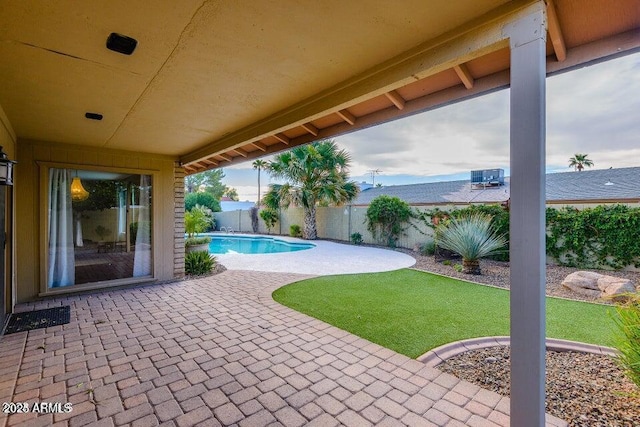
<point x="326" y="258"/>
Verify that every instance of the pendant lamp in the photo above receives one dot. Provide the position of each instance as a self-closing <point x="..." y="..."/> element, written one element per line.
<point x="78" y="193"/>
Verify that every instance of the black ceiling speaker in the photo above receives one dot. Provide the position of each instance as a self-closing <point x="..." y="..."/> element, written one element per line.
<point x="93" y="116"/>
<point x="121" y="44"/>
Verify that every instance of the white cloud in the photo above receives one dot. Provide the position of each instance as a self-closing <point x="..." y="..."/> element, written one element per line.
<point x="592" y="110"/>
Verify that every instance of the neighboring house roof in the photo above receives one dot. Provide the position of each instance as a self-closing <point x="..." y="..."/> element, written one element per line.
<point x="566" y="186"/>
<point x="227" y="206"/>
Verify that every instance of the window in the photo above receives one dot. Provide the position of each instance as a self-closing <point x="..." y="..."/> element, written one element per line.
<point x="99" y="227"/>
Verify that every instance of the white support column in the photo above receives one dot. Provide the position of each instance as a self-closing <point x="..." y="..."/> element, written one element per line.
<point x="527" y="41"/>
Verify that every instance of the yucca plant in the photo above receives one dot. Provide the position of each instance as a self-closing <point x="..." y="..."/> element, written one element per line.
<point x="471" y="237"/>
<point x="627" y="320"/>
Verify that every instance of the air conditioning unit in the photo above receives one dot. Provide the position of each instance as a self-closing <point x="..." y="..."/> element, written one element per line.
<point x="487" y="178"/>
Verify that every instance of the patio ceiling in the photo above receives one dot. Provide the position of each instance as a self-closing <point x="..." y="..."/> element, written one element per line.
<point x="217" y="83"/>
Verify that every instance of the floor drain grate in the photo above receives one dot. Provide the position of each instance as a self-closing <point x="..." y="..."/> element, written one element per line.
<point x="20" y="322"/>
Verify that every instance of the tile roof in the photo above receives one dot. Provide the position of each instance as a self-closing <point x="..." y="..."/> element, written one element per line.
<point x="570" y="186"/>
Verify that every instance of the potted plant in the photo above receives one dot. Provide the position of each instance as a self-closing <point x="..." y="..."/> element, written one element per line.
<point x="196" y="221"/>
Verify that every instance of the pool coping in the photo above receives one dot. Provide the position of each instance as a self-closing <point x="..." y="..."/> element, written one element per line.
<point x="438" y="355"/>
<point x="325" y="258"/>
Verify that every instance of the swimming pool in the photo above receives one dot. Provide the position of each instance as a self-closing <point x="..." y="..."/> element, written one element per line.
<point x="232" y="244"/>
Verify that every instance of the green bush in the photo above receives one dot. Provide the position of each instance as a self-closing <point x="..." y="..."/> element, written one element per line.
<point x="198" y="220"/>
<point x="386" y="217"/>
<point x="198" y="263"/>
<point x="207" y="200"/>
<point x="356" y="238"/>
<point x="270" y="217"/>
<point x="194" y="241"/>
<point x="628" y="340"/>
<point x="600" y="237"/>
<point x="295" y="230"/>
<point x="458" y="267"/>
<point x="428" y="248"/>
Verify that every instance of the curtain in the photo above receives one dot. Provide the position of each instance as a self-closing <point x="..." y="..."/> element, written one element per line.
<point x="61" y="268"/>
<point x="77" y="217"/>
<point x="122" y="212"/>
<point x="142" y="257"/>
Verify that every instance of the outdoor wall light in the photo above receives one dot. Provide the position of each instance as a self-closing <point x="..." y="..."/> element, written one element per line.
<point x="6" y="168"/>
<point x="78" y="193"/>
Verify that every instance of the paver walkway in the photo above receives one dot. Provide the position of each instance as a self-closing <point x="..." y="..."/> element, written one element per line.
<point x="220" y="351"/>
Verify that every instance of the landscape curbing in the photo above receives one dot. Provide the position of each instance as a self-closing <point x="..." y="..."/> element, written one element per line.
<point x="438" y="355"/>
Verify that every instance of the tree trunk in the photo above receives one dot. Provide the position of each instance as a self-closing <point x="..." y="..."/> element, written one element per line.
<point x="471" y="266"/>
<point x="309" y="231"/>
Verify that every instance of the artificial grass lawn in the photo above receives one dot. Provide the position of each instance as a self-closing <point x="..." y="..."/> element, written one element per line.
<point x="412" y="311"/>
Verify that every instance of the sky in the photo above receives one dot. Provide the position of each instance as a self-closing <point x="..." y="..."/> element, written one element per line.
<point x="593" y="110"/>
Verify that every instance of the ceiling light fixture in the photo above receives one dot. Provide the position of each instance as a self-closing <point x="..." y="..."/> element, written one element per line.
<point x="121" y="43"/>
<point x="78" y="193"/>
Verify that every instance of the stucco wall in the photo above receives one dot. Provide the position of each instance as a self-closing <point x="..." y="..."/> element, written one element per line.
<point x="34" y="156"/>
<point x="8" y="142"/>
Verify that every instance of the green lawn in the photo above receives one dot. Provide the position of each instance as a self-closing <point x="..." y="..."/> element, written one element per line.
<point x="412" y="311"/>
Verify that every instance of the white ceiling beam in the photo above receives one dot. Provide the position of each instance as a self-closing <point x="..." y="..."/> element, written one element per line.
<point x="225" y="156"/>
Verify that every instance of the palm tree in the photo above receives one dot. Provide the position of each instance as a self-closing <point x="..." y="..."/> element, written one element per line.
<point x="314" y="174"/>
<point x="471" y="237"/>
<point x="579" y="161"/>
<point x="259" y="164"/>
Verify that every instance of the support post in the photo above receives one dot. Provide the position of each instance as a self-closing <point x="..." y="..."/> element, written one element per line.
<point x="527" y="255"/>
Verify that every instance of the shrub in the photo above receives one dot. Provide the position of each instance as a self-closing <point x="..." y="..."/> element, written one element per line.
<point x="428" y="248"/>
<point x="295" y="230"/>
<point x="472" y="237"/>
<point x="600" y="237"/>
<point x="207" y="200"/>
<point x="198" y="263"/>
<point x="270" y="217"/>
<point x="627" y="320"/>
<point x="386" y="217"/>
<point x="197" y="220"/>
<point x="194" y="241"/>
<point x="499" y="221"/>
<point x="356" y="238"/>
<point x="458" y="267"/>
<point x="446" y="262"/>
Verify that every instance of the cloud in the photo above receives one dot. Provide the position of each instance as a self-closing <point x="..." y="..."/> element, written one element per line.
<point x="592" y="110"/>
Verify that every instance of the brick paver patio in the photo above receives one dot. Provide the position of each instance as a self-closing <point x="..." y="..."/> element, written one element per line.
<point x="219" y="351"/>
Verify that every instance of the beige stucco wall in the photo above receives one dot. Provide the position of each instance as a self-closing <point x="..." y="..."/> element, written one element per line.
<point x="8" y="142"/>
<point x="33" y="156"/>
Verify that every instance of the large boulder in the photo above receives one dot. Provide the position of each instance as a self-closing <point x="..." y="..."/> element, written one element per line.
<point x="597" y="285"/>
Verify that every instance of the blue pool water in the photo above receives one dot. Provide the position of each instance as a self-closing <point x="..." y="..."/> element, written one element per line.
<point x="231" y="244"/>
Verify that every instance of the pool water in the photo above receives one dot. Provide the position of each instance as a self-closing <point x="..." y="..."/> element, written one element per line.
<point x="230" y="244"/>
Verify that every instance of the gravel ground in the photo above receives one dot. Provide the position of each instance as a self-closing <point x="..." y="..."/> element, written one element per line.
<point x="583" y="389"/>
<point x="497" y="274"/>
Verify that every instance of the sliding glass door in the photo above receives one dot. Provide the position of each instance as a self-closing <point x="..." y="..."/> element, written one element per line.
<point x="99" y="227"/>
